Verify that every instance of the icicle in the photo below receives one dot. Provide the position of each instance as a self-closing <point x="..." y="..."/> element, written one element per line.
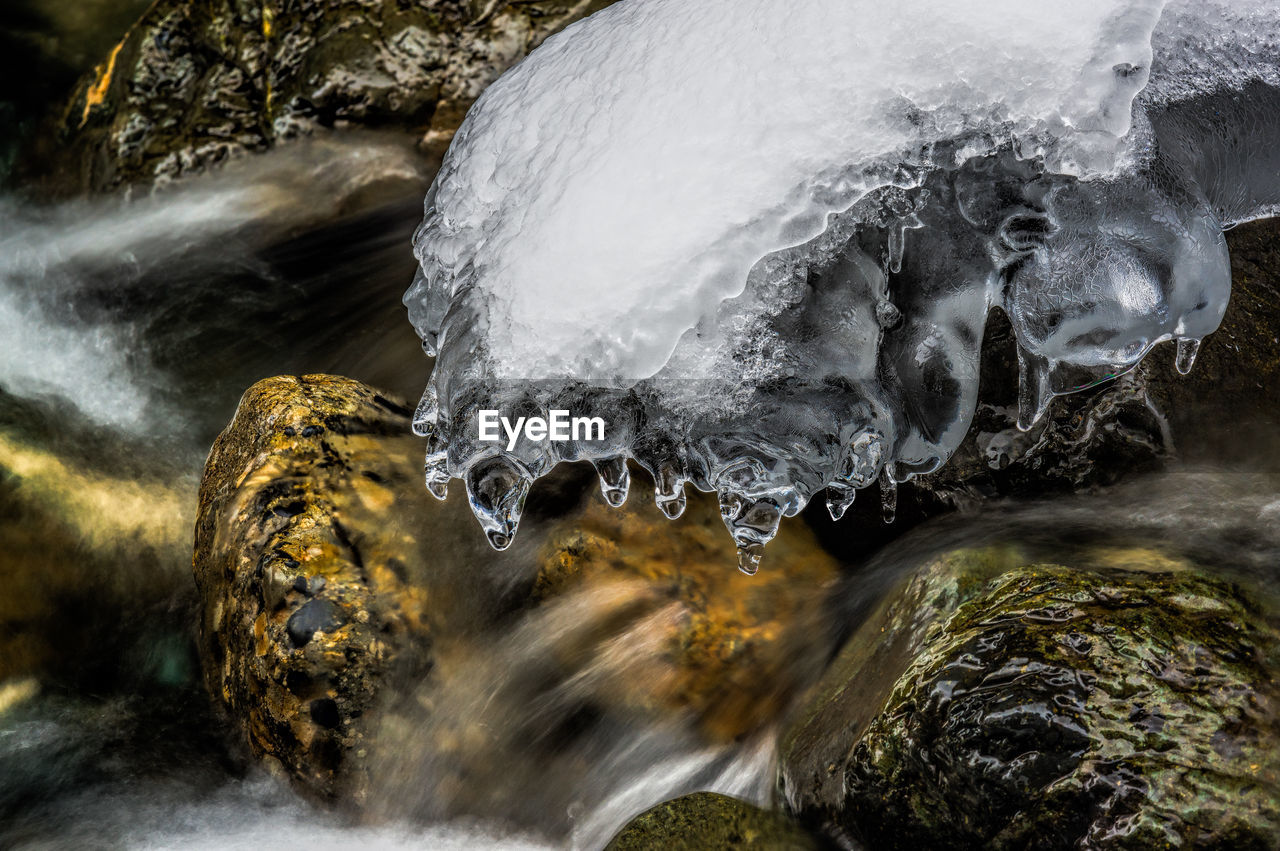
<point x="1188" y="348"/>
<point x="497" y="488"/>
<point x="888" y="494"/>
<point x="839" y="498"/>
<point x="897" y="238"/>
<point x="426" y="419"/>
<point x="752" y="523"/>
<point x="615" y="480"/>
<point x="669" y="491"/>
<point x="1034" y="394"/>
<point x="749" y="558"/>
<point x="436" y="469"/>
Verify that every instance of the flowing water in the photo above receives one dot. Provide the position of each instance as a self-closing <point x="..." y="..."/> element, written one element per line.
<point x="129" y="332"/>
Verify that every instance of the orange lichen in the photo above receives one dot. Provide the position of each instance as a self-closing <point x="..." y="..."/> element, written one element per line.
<point x="98" y="91"/>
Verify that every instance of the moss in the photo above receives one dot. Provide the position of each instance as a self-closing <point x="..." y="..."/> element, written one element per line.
<point x="705" y="821"/>
<point x="1051" y="706"/>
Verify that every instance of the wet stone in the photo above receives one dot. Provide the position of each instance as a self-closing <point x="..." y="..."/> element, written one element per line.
<point x="196" y="83"/>
<point x="312" y="617"/>
<point x="705" y="820"/>
<point x="302" y="617"/>
<point x="997" y="701"/>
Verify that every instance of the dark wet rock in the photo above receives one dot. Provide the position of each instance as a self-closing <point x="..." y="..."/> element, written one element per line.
<point x="195" y="82"/>
<point x="45" y="45"/>
<point x="705" y="820"/>
<point x="995" y="701"/>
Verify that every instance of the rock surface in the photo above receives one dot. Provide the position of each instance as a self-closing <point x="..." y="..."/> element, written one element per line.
<point x="194" y="83"/>
<point x="731" y="649"/>
<point x="304" y="607"/>
<point x="705" y="820"/>
<point x="1000" y="702"/>
<point x="326" y="572"/>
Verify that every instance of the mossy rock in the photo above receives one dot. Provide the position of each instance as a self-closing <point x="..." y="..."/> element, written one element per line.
<point x="705" y="821"/>
<point x="1000" y="702"/>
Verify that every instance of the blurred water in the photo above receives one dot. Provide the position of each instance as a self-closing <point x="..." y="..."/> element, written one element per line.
<point x="129" y="332"/>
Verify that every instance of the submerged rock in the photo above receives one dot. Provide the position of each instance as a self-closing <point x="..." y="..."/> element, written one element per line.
<point x="997" y="701"/>
<point x="705" y="820"/>
<point x="341" y="603"/>
<point x="194" y="83"/>
<point x="732" y="649"/>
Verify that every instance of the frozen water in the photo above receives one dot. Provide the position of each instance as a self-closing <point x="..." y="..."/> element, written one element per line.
<point x="763" y="243"/>
<point x="664" y="147"/>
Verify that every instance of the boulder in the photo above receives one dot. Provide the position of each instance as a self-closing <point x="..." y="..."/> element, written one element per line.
<point x="304" y="606"/>
<point x="998" y="701"/>
<point x="705" y="821"/>
<point x="195" y="82"/>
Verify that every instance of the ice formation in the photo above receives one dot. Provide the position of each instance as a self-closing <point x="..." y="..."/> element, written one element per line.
<point x="763" y="241"/>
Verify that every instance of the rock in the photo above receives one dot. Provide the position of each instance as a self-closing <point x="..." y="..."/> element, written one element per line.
<point x="705" y="820"/>
<point x="305" y="607"/>
<point x="45" y="45"/>
<point x="997" y="701"/>
<point x="733" y="649"/>
<point x="192" y="84"/>
<point x="334" y="590"/>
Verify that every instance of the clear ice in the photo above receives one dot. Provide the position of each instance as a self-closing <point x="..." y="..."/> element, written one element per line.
<point x="762" y="241"/>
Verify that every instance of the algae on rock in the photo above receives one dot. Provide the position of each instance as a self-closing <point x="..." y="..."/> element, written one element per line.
<point x="705" y="821"/>
<point x="1000" y="702"/>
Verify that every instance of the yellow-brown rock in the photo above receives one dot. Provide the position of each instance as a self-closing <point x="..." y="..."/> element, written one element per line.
<point x="305" y="601"/>
<point x="724" y="646"/>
